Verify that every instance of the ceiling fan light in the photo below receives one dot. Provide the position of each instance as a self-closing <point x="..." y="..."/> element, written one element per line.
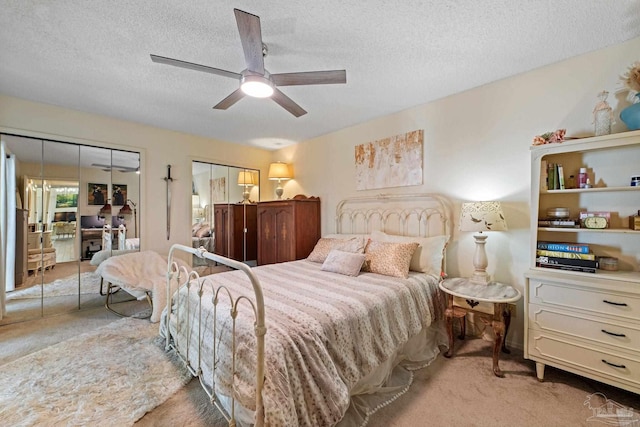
<point x="257" y="86"/>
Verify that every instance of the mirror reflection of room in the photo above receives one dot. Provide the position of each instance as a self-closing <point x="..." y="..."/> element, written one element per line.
<point x="224" y="207"/>
<point x="60" y="223"/>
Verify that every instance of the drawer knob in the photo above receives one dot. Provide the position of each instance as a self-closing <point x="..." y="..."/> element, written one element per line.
<point x="613" y="333"/>
<point x="620" y="304"/>
<point x="614" y="365"/>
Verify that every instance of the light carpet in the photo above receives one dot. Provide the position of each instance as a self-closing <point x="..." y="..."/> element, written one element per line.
<point x="89" y="284"/>
<point x="110" y="376"/>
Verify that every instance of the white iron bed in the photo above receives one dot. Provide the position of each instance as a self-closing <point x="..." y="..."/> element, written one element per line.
<point x="307" y="346"/>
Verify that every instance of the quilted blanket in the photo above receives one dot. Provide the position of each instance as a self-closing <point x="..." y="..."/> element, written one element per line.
<point x="325" y="332"/>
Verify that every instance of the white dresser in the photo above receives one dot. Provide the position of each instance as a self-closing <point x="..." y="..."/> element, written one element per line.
<point x="578" y="320"/>
<point x="588" y="326"/>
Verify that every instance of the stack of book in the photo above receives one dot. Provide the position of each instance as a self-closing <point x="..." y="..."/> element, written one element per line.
<point x="560" y="223"/>
<point x="566" y="256"/>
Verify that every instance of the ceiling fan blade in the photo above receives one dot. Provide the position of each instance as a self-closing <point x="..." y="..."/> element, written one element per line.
<point x="192" y="66"/>
<point x="108" y="168"/>
<point x="235" y="96"/>
<point x="287" y="103"/>
<point x="251" y="38"/>
<point x="310" y="78"/>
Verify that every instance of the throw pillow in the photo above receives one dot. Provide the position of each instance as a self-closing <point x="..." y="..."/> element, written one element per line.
<point x="429" y="255"/>
<point x="347" y="263"/>
<point x="325" y="245"/>
<point x="389" y="259"/>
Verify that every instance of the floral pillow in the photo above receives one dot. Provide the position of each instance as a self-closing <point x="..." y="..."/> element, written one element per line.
<point x="429" y="255"/>
<point x="325" y="245"/>
<point x="347" y="263"/>
<point x="389" y="259"/>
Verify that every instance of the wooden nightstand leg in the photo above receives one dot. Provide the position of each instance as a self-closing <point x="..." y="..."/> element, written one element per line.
<point x="448" y="313"/>
<point x="463" y="327"/>
<point x="498" y="330"/>
<point x="506" y="315"/>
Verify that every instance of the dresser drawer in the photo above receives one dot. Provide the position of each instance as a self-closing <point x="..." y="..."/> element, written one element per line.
<point x="481" y="306"/>
<point x="618" y="304"/>
<point x="592" y="361"/>
<point x="579" y="324"/>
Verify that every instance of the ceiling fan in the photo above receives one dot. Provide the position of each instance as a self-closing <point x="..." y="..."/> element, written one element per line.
<point x="108" y="168"/>
<point x="255" y="80"/>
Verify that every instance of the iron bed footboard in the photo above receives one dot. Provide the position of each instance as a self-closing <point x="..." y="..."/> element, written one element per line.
<point x="179" y="277"/>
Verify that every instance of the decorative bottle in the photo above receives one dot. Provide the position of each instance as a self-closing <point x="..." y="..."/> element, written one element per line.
<point x="603" y="115"/>
<point x="582" y="178"/>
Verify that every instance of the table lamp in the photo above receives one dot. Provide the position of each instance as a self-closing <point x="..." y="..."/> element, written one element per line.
<point x="279" y="171"/>
<point x="245" y="178"/>
<point x="481" y="217"/>
<point x="126" y="210"/>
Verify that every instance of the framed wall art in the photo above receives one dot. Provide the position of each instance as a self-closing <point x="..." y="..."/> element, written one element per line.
<point x="119" y="194"/>
<point x="395" y="161"/>
<point x="96" y="194"/>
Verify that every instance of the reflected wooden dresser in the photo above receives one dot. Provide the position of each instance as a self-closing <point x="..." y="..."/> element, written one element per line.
<point x="287" y="229"/>
<point x="230" y="223"/>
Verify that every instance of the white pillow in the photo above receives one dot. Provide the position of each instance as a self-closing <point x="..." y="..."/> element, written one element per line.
<point x="429" y="255"/>
<point x="347" y="263"/>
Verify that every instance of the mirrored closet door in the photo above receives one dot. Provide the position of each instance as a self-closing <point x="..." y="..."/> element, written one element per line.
<point x="224" y="211"/>
<point x="75" y="205"/>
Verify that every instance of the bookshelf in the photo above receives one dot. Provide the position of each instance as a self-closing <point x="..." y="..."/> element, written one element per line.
<point x="570" y="314"/>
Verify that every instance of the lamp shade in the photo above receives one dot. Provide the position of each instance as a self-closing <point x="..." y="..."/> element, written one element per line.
<point x="279" y="171"/>
<point x="245" y="178"/>
<point x="106" y="209"/>
<point x="482" y="216"/>
<point x="125" y="210"/>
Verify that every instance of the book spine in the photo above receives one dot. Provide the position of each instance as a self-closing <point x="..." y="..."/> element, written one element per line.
<point x="544" y="176"/>
<point x="550" y="169"/>
<point x="567" y="267"/>
<point x="564" y="247"/>
<point x="556" y="183"/>
<point x="567" y="261"/>
<point x="559" y="254"/>
<point x="560" y="177"/>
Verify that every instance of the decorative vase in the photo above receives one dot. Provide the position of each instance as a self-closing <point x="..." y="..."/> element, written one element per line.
<point x="603" y="115"/>
<point x="631" y="115"/>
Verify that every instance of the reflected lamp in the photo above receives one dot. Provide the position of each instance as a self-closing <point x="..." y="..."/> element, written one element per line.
<point x="245" y="178"/>
<point x="126" y="210"/>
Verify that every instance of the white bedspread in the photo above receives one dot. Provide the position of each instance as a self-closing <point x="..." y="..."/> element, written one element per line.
<point x="325" y="333"/>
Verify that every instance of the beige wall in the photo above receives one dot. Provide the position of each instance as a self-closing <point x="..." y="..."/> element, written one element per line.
<point x="476" y="147"/>
<point x="158" y="148"/>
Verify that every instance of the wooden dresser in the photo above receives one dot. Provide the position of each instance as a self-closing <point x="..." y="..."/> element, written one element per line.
<point x="229" y="228"/>
<point x="287" y="229"/>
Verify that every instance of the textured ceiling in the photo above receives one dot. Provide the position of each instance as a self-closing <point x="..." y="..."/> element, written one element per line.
<point x="94" y="56"/>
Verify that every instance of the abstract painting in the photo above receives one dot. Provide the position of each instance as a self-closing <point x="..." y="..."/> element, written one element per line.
<point x="395" y="161"/>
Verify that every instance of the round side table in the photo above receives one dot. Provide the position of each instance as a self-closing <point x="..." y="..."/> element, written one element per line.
<point x="499" y="294"/>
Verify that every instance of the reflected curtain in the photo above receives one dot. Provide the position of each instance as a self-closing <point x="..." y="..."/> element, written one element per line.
<point x="7" y="224"/>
